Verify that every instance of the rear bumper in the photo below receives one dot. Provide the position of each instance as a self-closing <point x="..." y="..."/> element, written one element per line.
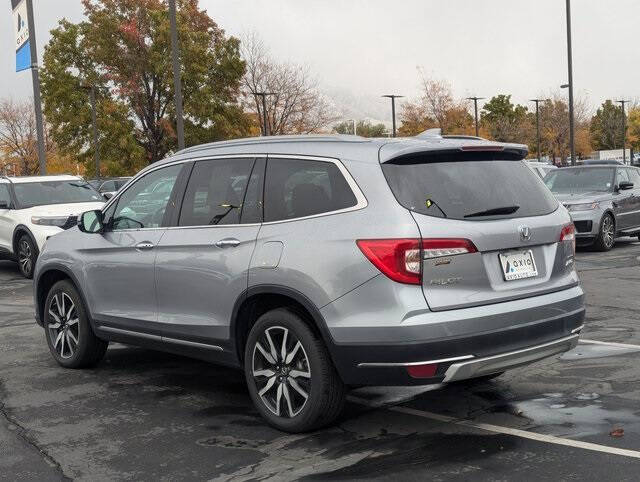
<point x="474" y="341"/>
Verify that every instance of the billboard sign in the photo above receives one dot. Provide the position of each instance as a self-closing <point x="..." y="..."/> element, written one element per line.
<point x="21" y="30"/>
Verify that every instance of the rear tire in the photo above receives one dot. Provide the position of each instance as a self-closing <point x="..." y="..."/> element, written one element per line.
<point x="27" y="256"/>
<point x="290" y="376"/>
<point x="607" y="235"/>
<point x="71" y="340"/>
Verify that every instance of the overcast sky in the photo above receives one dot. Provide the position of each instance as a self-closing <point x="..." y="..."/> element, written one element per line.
<point x="360" y="49"/>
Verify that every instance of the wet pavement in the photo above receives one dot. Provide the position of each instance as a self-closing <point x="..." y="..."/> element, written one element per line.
<point x="144" y="415"/>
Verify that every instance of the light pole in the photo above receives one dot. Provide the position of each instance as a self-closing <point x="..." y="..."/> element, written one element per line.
<point x="177" y="82"/>
<point x="94" y="123"/>
<point x="393" y="98"/>
<point x="537" y="101"/>
<point x="35" y="75"/>
<point x="265" y="125"/>
<point x="624" y="131"/>
<point x="570" y="85"/>
<point x="475" y="108"/>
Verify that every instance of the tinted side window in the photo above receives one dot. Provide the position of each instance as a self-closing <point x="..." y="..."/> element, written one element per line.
<point x="4" y="194"/>
<point x="634" y="177"/>
<point x="297" y="188"/>
<point x="215" y="192"/>
<point x="143" y="205"/>
<point x="621" y="176"/>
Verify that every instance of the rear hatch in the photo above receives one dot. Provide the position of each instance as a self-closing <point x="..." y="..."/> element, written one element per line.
<point x="491" y="231"/>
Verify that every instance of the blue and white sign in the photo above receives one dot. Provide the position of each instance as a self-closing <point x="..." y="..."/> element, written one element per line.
<point x="21" y="30"/>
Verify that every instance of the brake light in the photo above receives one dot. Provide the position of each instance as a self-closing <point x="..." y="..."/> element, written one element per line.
<point x="398" y="259"/>
<point x="568" y="234"/>
<point x="401" y="259"/>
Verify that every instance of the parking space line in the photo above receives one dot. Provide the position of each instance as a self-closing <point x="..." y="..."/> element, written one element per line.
<point x="610" y="343"/>
<point x="504" y="430"/>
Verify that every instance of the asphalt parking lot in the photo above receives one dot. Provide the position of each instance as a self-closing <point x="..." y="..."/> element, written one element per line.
<point x="145" y="415"/>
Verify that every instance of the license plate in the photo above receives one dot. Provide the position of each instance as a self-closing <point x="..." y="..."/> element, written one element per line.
<point x="518" y="265"/>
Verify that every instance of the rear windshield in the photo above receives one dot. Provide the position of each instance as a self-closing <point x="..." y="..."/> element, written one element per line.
<point x="580" y="180"/>
<point x="468" y="188"/>
<point x="31" y="194"/>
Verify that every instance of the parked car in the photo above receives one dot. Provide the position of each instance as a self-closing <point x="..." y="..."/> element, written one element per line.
<point x="541" y="168"/>
<point x="108" y="186"/>
<point x="32" y="209"/>
<point x="319" y="263"/>
<point x="604" y="201"/>
<point x="602" y="162"/>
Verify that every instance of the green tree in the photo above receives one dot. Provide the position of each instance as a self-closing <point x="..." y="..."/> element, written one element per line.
<point x="506" y="122"/>
<point x="123" y="49"/>
<point x="606" y="127"/>
<point x="364" y="128"/>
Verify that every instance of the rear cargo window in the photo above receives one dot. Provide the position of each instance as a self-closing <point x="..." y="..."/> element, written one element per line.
<point x="466" y="187"/>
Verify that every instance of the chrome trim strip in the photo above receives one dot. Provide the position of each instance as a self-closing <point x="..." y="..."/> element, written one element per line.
<point x="130" y="333"/>
<point x="453" y="370"/>
<point x="578" y="329"/>
<point x="192" y="343"/>
<point x="409" y="364"/>
<point x="361" y="200"/>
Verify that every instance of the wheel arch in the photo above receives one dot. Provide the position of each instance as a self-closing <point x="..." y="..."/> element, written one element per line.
<point x="46" y="279"/>
<point x="18" y="231"/>
<point x="257" y="300"/>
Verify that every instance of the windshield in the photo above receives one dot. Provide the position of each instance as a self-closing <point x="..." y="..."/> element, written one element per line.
<point x="31" y="194"/>
<point x="468" y="188"/>
<point x="580" y="180"/>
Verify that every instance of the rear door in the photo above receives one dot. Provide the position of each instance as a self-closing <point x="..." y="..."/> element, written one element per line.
<point x="490" y="227"/>
<point x="202" y="262"/>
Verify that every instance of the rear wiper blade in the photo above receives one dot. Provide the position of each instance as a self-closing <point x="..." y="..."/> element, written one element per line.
<point x="494" y="212"/>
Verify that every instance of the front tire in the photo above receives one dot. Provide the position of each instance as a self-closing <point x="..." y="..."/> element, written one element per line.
<point x="27" y="255"/>
<point x="70" y="338"/>
<point x="607" y="234"/>
<point x="289" y="373"/>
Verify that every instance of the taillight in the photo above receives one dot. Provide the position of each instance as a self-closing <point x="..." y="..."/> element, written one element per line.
<point x="438" y="248"/>
<point x="401" y="259"/>
<point x="568" y="234"/>
<point x="398" y="259"/>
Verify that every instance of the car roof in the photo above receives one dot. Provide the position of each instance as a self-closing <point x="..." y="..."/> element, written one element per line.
<point x="24" y="179"/>
<point x="356" y="148"/>
<point x="592" y="166"/>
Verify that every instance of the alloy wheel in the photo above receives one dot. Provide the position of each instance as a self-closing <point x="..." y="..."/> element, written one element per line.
<point x="24" y="256"/>
<point x="608" y="231"/>
<point x="65" y="330"/>
<point x="281" y="371"/>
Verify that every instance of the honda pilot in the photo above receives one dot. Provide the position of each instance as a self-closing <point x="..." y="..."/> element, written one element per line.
<point x="315" y="264"/>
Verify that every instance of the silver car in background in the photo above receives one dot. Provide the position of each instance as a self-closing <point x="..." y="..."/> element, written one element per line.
<point x="314" y="264"/>
<point x="603" y="200"/>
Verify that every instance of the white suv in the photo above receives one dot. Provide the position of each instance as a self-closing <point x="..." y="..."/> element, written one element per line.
<point x="32" y="209"/>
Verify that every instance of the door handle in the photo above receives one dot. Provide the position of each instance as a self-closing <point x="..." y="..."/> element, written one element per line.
<point x="228" y="243"/>
<point x="145" y="245"/>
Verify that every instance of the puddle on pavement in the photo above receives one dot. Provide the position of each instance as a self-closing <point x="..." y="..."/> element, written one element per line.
<point x="588" y="351"/>
<point x="580" y="414"/>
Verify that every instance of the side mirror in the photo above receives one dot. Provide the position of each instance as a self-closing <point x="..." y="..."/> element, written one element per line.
<point x="625" y="186"/>
<point x="91" y="222"/>
<point x="107" y="195"/>
<point x="5" y="205"/>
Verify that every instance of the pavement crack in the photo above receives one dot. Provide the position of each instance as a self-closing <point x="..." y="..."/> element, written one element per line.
<point x="22" y="433"/>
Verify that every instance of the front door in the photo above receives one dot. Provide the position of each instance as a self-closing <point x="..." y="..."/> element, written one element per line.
<point x="6" y="225"/>
<point x="623" y="202"/>
<point x="120" y="262"/>
<point x="202" y="263"/>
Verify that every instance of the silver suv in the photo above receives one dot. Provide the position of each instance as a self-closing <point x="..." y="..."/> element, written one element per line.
<point x="319" y="263"/>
